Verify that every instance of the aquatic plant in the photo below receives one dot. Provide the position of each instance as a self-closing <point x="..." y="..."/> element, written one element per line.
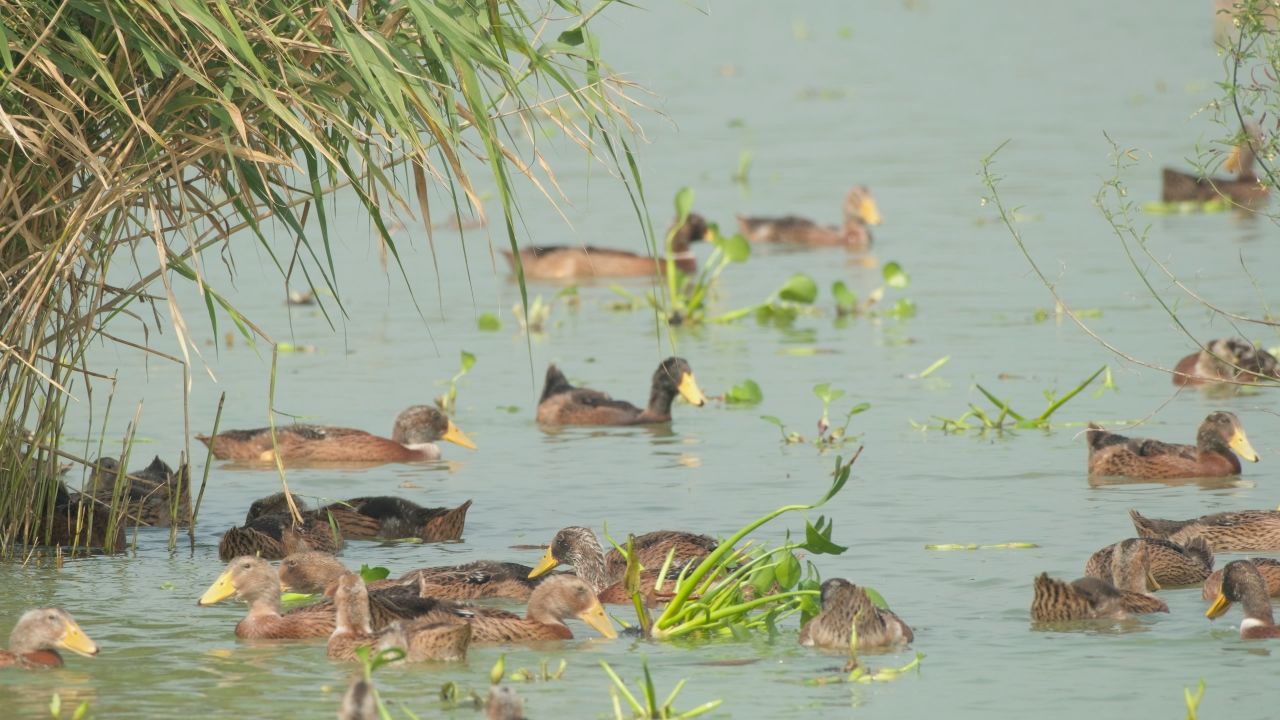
<point x="82" y="710"/>
<point x="532" y="317"/>
<point x="746" y="392"/>
<point x="687" y="296"/>
<point x="895" y="278"/>
<point x="1003" y="416"/>
<point x="448" y="402"/>
<point x="650" y="708"/>
<point x="828" y="435"/>
<point x="975" y="546"/>
<point x="1193" y="700"/>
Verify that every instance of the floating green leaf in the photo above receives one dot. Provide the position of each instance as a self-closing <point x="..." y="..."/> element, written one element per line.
<point x="799" y="288"/>
<point x="488" y="322"/>
<point x="895" y="276"/>
<point x="746" y="392"/>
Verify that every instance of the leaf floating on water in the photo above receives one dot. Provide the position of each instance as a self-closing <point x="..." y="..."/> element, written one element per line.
<point x="974" y="546"/>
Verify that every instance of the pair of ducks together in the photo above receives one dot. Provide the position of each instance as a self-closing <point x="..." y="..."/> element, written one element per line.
<point x="417" y="428"/>
<point x="564" y="262"/>
<point x="1243" y="190"/>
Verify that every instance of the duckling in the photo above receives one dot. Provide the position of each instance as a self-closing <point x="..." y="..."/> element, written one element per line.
<point x="1227" y="360"/>
<point x="578" y="547"/>
<point x="412" y="439"/>
<point x="1242" y="583"/>
<point x="1211" y="456"/>
<point x="150" y="491"/>
<point x="860" y="212"/>
<point x="424" y="639"/>
<point x="39" y="634"/>
<point x="565" y="262"/>
<point x="564" y="404"/>
<point x="844" y="605"/>
<point x="1091" y="598"/>
<point x="1172" y="564"/>
<point x="377" y="518"/>
<point x="1243" y="190"/>
<point x="1269" y="568"/>
<point x="556" y="599"/>
<point x="1235" y="531"/>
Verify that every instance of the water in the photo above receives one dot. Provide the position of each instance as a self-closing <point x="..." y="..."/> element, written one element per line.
<point x="914" y="99"/>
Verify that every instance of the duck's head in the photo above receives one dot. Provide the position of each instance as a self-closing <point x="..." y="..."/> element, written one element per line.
<point x="1224" y="428"/>
<point x="247" y="578"/>
<point x="423" y="424"/>
<point x="695" y="229"/>
<point x="310" y="572"/>
<point x="1242" y="583"/>
<point x="49" y="629"/>
<point x="675" y="376"/>
<point x="570" y="546"/>
<point x="564" y="596"/>
<point x="860" y="207"/>
<point x="272" y="505"/>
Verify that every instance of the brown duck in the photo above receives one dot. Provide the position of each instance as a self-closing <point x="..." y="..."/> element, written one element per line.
<point x="151" y="491"/>
<point x="81" y="520"/>
<point x="1171" y="564"/>
<point x="579" y="548"/>
<point x="478" y="579"/>
<point x="1269" y="568"/>
<point x="426" y="639"/>
<point x="274" y="535"/>
<point x="1091" y="598"/>
<point x="558" y="598"/>
<point x="844" y="605"/>
<point x="1244" y="189"/>
<point x="564" y="404"/>
<point x="39" y="634"/>
<point x="313" y="571"/>
<point x="1211" y="456"/>
<point x="565" y="262"/>
<point x="1242" y="583"/>
<point x="1235" y="531"/>
<point x="381" y="517"/>
<point x="1230" y="360"/>
<point x="412" y="439"/>
<point x="860" y="212"/>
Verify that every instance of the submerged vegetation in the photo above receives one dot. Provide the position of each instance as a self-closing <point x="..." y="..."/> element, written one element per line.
<point x="829" y="436"/>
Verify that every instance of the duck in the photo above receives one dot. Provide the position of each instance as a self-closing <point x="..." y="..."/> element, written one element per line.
<point x="80" y="520"/>
<point x="568" y="262"/>
<point x="359" y="702"/>
<point x="1233" y="531"/>
<point x="564" y="404"/>
<point x="1090" y="598"/>
<point x="860" y="213"/>
<point x="275" y="535"/>
<point x="558" y="598"/>
<point x="1244" y="189"/>
<point x="413" y="437"/>
<point x="1227" y="360"/>
<point x="254" y="581"/>
<point x="39" y="634"/>
<point x="1211" y="456"/>
<point x="504" y="703"/>
<point x="382" y="517"/>
<point x="1269" y="568"/>
<point x="1242" y="583"/>
<point x="845" y="605"/>
<point x="151" y="491"/>
<point x="317" y="572"/>
<point x="578" y="547"/>
<point x="1172" y="564"/>
<point x="425" y="639"/>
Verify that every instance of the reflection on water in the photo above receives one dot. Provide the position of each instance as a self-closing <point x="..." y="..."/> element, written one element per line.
<point x="1204" y="483"/>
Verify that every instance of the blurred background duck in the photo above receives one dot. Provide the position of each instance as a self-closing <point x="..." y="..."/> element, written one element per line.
<point x="846" y="606"/>
<point x="1234" y="531"/>
<point x="413" y="438"/>
<point x="151" y="492"/>
<point x="1211" y="456"/>
<point x="1092" y="598"/>
<point x="579" y="548"/>
<point x="381" y="517"/>
<point x="1242" y="583"/>
<point x="39" y="634"/>
<point x="860" y="213"/>
<point x="1233" y="360"/>
<point x="557" y="599"/>
<point x="567" y="262"/>
<point x="1243" y="189"/>
<point x="564" y="404"/>
<point x="429" y="638"/>
<point x="1171" y="564"/>
<point x="1268" y="568"/>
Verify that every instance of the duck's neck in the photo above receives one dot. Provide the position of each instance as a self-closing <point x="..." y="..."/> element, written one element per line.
<point x="589" y="565"/>
<point x="660" y="398"/>
<point x="264" y="603"/>
<point x="353" y="617"/>
<point x="1209" y="442"/>
<point x="1257" y="606"/>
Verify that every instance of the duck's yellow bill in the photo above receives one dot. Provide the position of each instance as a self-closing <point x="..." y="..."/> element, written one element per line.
<point x="457" y="437"/>
<point x="1241" y="445"/>
<point x="711" y="234"/>
<point x="595" y="617"/>
<point x="1219" y="607"/>
<point x="548" y="563"/>
<point x="1232" y="164"/>
<point x="869" y="212"/>
<point x="220" y="590"/>
<point x="690" y="391"/>
<point x="74" y="639"/>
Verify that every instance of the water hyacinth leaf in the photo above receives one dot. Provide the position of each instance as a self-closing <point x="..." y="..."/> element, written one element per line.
<point x="824" y="393"/>
<point x="810" y="605"/>
<point x="468" y="362"/>
<point x="895" y="276"/>
<point x="817" y="538"/>
<point x="799" y="288"/>
<point x="373" y="574"/>
<point x="684" y="202"/>
<point x="762" y="579"/>
<point x="735" y="247"/>
<point x="846" y="299"/>
<point x="876" y="598"/>
<point x="788" y="571"/>
<point x="746" y="392"/>
<point x="488" y="322"/>
<point x="772" y="420"/>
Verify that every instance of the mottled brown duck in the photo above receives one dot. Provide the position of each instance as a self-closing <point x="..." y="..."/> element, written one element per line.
<point x="554" y="601"/>
<point x="413" y="437"/>
<point x="1235" y="531"/>
<point x="477" y="579"/>
<point x="1269" y="568"/>
<point x="1091" y="598"/>
<point x="1242" y="583"/>
<point x="1227" y="360"/>
<point x="579" y="548"/>
<point x="567" y="262"/>
<point x="860" y="213"/>
<point x="380" y="517"/>
<point x="151" y="491"/>
<point x="1171" y="564"/>
<point x="844" y="605"/>
<point x="1243" y="189"/>
<point x="39" y="634"/>
<point x="425" y="639"/>
<point x="564" y="404"/>
<point x="276" y="535"/>
<point x="1212" y="456"/>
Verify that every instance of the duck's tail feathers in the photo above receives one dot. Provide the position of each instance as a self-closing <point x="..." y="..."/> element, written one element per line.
<point x="1097" y="437"/>
<point x="1154" y="527"/>
<point x="1055" y="601"/>
<point x="555" y="383"/>
<point x="448" y="525"/>
<point x="1141" y="603"/>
